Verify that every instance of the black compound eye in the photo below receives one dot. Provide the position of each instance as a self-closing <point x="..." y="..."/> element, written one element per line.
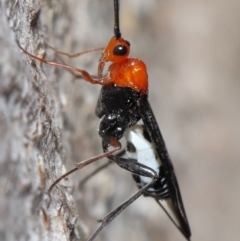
<point x="120" y="50"/>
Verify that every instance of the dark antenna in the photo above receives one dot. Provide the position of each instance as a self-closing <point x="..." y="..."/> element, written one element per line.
<point x="117" y="32"/>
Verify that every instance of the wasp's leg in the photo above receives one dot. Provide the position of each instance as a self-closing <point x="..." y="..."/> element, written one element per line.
<point x="137" y="169"/>
<point x="115" y="143"/>
<point x="86" y="179"/>
<point x="75" y="55"/>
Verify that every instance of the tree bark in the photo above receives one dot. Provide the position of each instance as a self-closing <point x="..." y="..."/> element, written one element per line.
<point x="36" y="131"/>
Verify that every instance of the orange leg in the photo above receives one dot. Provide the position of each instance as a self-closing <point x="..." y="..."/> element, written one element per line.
<point x="86" y="76"/>
<point x="76" y="54"/>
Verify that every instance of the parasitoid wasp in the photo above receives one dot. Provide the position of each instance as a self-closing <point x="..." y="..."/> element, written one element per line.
<point x="122" y="103"/>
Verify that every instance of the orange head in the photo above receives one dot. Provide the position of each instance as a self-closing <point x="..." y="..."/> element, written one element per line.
<point x="116" y="51"/>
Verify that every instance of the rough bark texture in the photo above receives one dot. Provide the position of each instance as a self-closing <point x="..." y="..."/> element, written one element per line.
<point x="35" y="130"/>
<point x="47" y="119"/>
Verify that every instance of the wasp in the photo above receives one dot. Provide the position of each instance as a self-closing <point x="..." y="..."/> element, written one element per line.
<point x="122" y="103"/>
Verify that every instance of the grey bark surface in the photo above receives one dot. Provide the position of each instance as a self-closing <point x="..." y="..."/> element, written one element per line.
<point x="31" y="139"/>
<point x="35" y="133"/>
<point x="47" y="119"/>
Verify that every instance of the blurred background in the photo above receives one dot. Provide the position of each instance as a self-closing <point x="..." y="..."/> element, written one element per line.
<point x="191" y="50"/>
